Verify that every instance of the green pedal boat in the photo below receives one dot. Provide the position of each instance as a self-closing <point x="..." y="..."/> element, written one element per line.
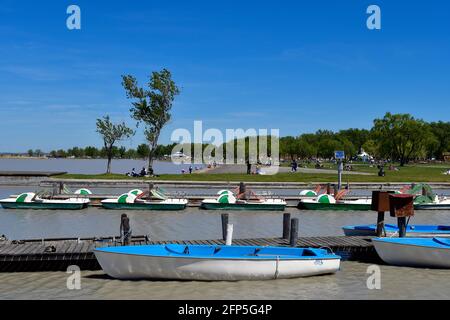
<point x="133" y="201"/>
<point x="227" y="201"/>
<point x="30" y="200"/>
<point x="328" y="202"/>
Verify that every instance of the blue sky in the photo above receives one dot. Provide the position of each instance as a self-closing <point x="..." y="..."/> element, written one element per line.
<point x="293" y="65"/>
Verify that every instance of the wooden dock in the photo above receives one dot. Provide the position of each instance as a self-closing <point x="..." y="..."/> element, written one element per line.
<point x="57" y="254"/>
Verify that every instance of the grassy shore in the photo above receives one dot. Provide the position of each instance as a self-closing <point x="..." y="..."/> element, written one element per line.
<point x="413" y="173"/>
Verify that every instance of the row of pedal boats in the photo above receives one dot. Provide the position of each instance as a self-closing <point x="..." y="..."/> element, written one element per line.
<point x="224" y="200"/>
<point x="234" y="263"/>
<point x="137" y="199"/>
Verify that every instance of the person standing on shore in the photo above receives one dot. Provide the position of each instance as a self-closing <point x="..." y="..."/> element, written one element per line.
<point x="125" y="229"/>
<point x="294" y="166"/>
<point x="249" y="167"/>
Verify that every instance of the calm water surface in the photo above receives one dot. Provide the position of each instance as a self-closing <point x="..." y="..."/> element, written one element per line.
<point x="349" y="283"/>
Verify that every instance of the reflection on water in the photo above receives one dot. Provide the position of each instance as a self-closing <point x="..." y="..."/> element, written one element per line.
<point x="348" y="283"/>
<point x="192" y="223"/>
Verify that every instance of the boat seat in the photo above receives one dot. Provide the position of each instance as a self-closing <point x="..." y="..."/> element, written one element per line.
<point x="308" y="253"/>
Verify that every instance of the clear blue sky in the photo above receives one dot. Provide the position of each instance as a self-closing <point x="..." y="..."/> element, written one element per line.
<point x="294" y="65"/>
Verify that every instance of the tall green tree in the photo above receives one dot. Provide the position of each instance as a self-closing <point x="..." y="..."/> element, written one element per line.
<point x="358" y="137"/>
<point x="441" y="130"/>
<point x="152" y="106"/>
<point x="111" y="133"/>
<point x="401" y="136"/>
<point x="142" y="151"/>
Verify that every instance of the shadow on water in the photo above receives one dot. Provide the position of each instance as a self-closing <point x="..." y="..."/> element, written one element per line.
<point x="156" y="280"/>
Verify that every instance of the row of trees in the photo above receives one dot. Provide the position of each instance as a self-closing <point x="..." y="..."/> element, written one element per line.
<point x="398" y="137"/>
<point x="90" y="152"/>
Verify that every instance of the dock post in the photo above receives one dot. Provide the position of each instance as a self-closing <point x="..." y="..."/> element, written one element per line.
<point x="225" y="219"/>
<point x="380" y="223"/>
<point x="286" y="225"/>
<point x="401" y="222"/>
<point x="229" y="236"/>
<point x="294" y="232"/>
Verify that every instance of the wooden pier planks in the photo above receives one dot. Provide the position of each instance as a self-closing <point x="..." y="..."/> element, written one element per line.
<point x="31" y="255"/>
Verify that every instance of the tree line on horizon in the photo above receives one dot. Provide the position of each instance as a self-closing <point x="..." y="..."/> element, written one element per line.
<point x="397" y="137"/>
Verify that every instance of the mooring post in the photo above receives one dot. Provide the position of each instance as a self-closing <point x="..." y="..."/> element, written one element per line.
<point x="340" y="169"/>
<point x="380" y="223"/>
<point x="229" y="237"/>
<point x="401" y="222"/>
<point x="225" y="218"/>
<point x="294" y="232"/>
<point x="286" y="225"/>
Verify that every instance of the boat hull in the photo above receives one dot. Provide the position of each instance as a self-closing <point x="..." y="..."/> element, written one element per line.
<point x="333" y="206"/>
<point x="124" y="266"/>
<point x="402" y="254"/>
<point x="242" y="206"/>
<point x="142" y="206"/>
<point x="43" y="205"/>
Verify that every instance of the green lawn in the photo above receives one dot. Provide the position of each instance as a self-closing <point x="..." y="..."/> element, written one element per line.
<point x="413" y="173"/>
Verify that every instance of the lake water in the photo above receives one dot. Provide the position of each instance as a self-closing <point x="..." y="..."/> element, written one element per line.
<point x="192" y="223"/>
<point x="89" y="166"/>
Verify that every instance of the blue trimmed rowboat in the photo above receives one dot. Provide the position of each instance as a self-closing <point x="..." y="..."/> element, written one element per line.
<point x="411" y="230"/>
<point x="414" y="252"/>
<point x="214" y="262"/>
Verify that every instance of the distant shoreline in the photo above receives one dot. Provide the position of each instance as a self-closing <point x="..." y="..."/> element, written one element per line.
<point x="69" y="158"/>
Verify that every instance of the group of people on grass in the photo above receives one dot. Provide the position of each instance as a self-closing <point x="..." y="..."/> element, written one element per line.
<point x="143" y="173"/>
<point x="258" y="169"/>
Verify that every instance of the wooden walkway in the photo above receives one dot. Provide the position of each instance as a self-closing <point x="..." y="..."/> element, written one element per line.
<point x="58" y="254"/>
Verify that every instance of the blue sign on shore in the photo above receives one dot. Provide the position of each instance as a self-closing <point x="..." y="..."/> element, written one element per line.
<point x="339" y="155"/>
